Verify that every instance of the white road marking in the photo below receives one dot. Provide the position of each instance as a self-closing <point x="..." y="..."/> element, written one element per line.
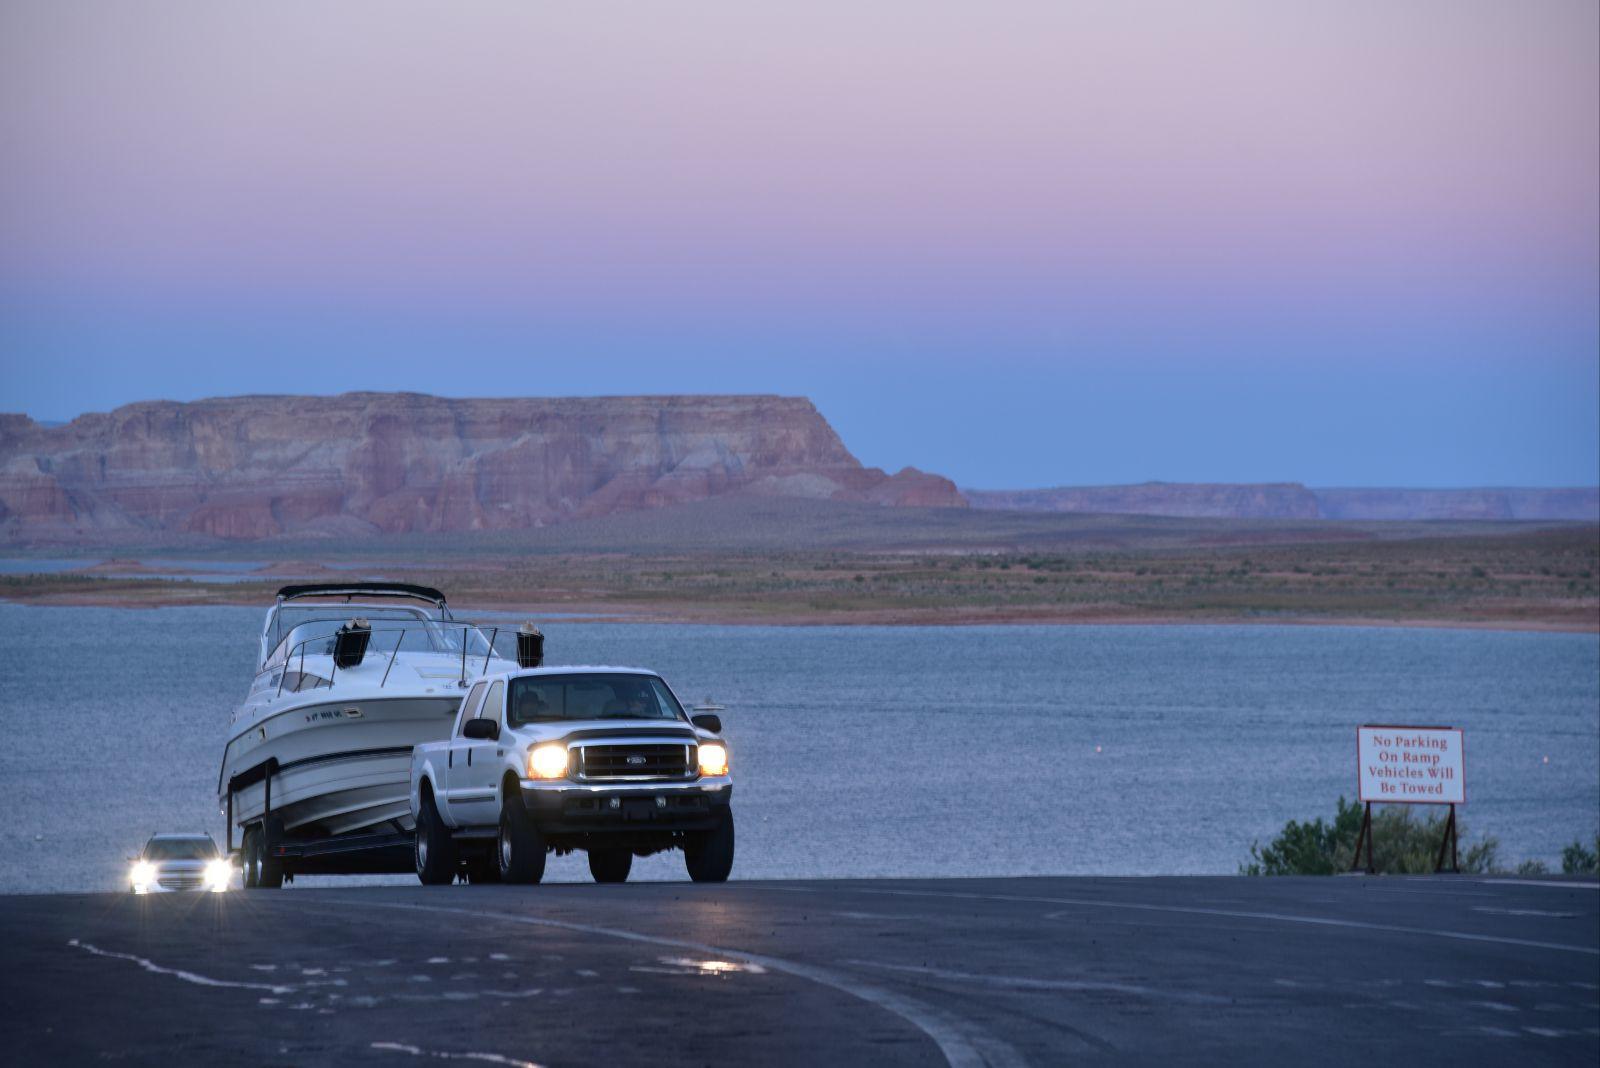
<point x="1497" y="1006"/>
<point x="957" y="1039"/>
<point x="1018" y="982"/>
<point x="1526" y="912"/>
<point x="1279" y="917"/>
<point x="446" y="1055"/>
<point x="178" y="973"/>
<point x="1559" y="884"/>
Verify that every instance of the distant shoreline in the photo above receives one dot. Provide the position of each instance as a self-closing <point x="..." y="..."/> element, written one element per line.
<point x="705" y="615"/>
<point x="1524" y="580"/>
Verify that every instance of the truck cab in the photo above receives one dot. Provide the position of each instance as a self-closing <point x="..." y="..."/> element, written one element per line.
<point x="552" y="759"/>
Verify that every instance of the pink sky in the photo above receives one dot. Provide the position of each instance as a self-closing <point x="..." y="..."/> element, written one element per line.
<point x="1098" y="181"/>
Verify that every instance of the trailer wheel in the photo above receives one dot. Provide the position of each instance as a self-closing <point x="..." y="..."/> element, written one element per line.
<point x="269" y="868"/>
<point x="709" y="854"/>
<point x="249" y="859"/>
<point x="610" y="865"/>
<point x="520" y="849"/>
<point x="433" y="848"/>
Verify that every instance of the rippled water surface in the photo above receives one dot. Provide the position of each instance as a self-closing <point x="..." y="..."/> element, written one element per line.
<point x="872" y="750"/>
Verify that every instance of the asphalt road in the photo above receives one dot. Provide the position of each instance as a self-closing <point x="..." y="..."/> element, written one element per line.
<point x="1446" y="970"/>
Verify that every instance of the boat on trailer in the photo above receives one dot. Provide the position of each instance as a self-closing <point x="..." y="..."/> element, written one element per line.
<point x="350" y="676"/>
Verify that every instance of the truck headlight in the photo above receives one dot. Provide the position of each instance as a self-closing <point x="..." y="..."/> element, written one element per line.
<point x="143" y="874"/>
<point x="713" y="759"/>
<point x="548" y="762"/>
<point x="219" y="875"/>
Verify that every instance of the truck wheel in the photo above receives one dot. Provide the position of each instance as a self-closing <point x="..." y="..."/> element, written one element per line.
<point x="709" y="854"/>
<point x="610" y="865"/>
<point x="433" y="848"/>
<point x="249" y="860"/>
<point x="521" y="847"/>
<point x="269" y="868"/>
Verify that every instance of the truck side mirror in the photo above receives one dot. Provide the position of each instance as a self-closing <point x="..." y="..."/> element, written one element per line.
<point x="484" y="730"/>
<point x="708" y="723"/>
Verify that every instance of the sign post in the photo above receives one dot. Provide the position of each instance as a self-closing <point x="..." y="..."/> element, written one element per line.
<point x="1398" y="765"/>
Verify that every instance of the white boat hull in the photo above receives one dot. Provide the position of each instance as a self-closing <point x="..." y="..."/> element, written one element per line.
<point x="333" y="765"/>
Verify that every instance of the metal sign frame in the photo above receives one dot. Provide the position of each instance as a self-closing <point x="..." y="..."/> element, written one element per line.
<point x="1451" y="840"/>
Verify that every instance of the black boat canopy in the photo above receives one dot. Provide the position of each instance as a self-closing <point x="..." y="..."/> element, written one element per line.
<point x="362" y="589"/>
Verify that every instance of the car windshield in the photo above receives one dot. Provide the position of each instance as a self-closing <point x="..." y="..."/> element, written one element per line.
<point x="548" y="698"/>
<point x="180" y="849"/>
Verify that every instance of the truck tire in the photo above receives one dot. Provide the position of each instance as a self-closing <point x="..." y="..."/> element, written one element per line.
<point x="520" y="849"/>
<point x="709" y="854"/>
<point x="610" y="865"/>
<point x="433" y="848"/>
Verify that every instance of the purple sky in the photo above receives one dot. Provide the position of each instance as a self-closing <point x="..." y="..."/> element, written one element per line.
<point x="1016" y="243"/>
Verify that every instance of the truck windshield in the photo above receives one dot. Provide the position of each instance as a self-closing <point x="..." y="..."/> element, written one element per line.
<point x="548" y="698"/>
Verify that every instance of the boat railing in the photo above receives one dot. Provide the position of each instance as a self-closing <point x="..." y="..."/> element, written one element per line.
<point x="473" y="645"/>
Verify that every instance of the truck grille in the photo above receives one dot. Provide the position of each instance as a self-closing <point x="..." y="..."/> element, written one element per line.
<point x="636" y="761"/>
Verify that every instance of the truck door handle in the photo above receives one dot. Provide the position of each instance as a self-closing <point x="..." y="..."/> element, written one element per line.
<point x="469" y="758"/>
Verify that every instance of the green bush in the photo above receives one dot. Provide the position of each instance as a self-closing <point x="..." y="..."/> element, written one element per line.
<point x="1312" y="848"/>
<point x="1576" y="860"/>
<point x="1403" y="844"/>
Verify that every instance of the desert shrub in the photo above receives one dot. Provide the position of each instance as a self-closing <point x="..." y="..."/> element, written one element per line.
<point x="1576" y="860"/>
<point x="1403" y="844"/>
<point x="1311" y="848"/>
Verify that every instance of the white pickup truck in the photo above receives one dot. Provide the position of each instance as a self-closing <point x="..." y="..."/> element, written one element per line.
<point x="552" y="759"/>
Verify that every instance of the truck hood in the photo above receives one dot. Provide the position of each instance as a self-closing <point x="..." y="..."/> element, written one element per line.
<point x="667" y="730"/>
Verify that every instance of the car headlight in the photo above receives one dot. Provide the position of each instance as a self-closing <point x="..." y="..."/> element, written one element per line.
<point x="548" y="762"/>
<point x="219" y="874"/>
<point x="143" y="874"/>
<point x="713" y="759"/>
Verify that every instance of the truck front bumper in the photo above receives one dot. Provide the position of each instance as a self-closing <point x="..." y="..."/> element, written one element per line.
<point x="562" y="806"/>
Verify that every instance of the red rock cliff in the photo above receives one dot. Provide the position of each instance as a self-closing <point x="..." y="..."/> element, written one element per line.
<point x="255" y="467"/>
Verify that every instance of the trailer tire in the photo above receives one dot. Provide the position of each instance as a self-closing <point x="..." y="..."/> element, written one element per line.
<point x="433" y="849"/>
<point x="709" y="854"/>
<point x="269" y="868"/>
<point x="520" y="849"/>
<point x="610" y="865"/>
<point x="249" y="860"/>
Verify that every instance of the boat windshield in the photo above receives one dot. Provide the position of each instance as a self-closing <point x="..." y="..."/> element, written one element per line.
<point x="590" y="695"/>
<point x="407" y="634"/>
<point x="290" y="617"/>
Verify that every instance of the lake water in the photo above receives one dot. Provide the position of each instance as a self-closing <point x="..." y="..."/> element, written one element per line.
<point x="863" y="751"/>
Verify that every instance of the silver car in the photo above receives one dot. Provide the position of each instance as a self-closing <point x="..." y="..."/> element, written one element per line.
<point x="180" y="862"/>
